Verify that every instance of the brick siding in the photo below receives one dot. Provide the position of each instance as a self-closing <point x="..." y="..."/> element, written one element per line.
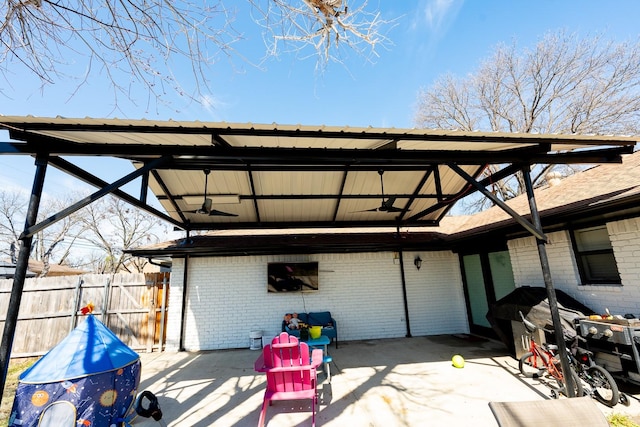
<point x="227" y="298"/>
<point x="624" y="235"/>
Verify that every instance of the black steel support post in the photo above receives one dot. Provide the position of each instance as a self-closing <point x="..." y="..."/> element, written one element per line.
<point x="404" y="296"/>
<point x="551" y="293"/>
<point x="21" y="271"/>
<point x="183" y="316"/>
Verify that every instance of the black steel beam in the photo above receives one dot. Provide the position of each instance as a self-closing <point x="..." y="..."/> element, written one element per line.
<point x="449" y="199"/>
<point x="85" y="176"/>
<point x="445" y="200"/>
<point x="169" y="196"/>
<point x="391" y="222"/>
<point x="438" y="182"/>
<point x="415" y="195"/>
<point x="321" y="196"/>
<point x="91" y="198"/>
<point x="340" y="195"/>
<point x="253" y="192"/>
<point x="144" y="188"/>
<point x="282" y="158"/>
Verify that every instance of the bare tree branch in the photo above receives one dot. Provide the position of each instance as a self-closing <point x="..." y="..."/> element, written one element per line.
<point x="563" y="85"/>
<point x="132" y="43"/>
<point x="129" y="41"/>
<point x="47" y="245"/>
<point x="11" y="213"/>
<point x="113" y="226"/>
<point x="326" y="29"/>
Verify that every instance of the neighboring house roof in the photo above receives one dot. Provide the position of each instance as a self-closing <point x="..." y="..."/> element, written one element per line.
<point x="54" y="269"/>
<point x="8" y="270"/>
<point x="601" y="191"/>
<point x="604" y="190"/>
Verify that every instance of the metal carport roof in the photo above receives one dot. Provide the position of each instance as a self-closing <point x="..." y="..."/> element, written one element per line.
<point x="280" y="176"/>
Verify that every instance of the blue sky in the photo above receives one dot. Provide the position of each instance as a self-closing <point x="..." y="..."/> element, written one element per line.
<point x="431" y="38"/>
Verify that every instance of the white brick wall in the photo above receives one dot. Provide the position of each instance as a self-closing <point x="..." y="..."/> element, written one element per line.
<point x="227" y="298"/>
<point x="435" y="294"/>
<point x="625" y="240"/>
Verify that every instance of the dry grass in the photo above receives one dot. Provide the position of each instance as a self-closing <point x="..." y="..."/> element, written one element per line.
<point x="618" y="420"/>
<point x="16" y="367"/>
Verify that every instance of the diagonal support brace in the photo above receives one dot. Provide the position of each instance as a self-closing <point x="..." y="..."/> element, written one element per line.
<point x="537" y="232"/>
<point x="29" y="232"/>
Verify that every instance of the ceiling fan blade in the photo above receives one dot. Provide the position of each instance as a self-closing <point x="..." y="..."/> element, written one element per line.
<point x="368" y="210"/>
<point x="391" y="209"/>
<point x="215" y="212"/>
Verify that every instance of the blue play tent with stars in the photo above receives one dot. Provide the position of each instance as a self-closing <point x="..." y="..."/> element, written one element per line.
<point x="89" y="379"/>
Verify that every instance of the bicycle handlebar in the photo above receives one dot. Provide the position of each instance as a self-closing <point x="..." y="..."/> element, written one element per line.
<point x="532" y="327"/>
<point x="528" y="325"/>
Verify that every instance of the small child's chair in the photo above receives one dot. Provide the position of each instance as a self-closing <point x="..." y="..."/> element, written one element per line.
<point x="291" y="372"/>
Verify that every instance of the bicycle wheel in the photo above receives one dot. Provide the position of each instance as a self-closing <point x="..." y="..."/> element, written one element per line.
<point x="578" y="389"/>
<point x="605" y="389"/>
<point x="533" y="365"/>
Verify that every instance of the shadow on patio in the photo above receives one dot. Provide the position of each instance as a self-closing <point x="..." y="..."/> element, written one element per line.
<point x="391" y="382"/>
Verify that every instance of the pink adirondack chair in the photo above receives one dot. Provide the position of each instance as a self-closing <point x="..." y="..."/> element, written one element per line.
<point x="291" y="372"/>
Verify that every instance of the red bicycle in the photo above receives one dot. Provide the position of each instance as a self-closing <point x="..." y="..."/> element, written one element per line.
<point x="541" y="359"/>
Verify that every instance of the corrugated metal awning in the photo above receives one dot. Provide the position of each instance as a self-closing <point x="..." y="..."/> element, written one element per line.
<point x="281" y="176"/>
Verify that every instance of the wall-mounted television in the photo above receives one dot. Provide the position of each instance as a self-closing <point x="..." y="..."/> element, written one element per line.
<point x="292" y="276"/>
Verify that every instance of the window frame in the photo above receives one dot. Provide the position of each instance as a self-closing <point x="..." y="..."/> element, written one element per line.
<point x="579" y="257"/>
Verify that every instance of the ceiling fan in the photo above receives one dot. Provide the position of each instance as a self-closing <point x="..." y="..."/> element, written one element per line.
<point x="387" y="205"/>
<point x="206" y="208"/>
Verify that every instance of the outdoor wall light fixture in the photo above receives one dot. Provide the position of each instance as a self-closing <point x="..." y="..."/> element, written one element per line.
<point x="417" y="262"/>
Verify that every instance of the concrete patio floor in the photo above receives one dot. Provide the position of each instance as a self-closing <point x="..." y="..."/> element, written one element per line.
<point x="391" y="382"/>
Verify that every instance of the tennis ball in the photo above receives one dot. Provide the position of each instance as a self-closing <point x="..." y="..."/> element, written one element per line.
<point x="458" y="361"/>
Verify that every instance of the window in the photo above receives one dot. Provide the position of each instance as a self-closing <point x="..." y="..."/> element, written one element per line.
<point x="594" y="256"/>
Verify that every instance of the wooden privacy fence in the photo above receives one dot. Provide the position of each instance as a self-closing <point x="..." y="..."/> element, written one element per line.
<point x="133" y="306"/>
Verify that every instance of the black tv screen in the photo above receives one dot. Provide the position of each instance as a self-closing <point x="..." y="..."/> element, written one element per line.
<point x="292" y="276"/>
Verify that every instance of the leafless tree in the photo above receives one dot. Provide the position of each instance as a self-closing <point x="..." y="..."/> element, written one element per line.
<point x="51" y="245"/>
<point x="134" y="43"/>
<point x="113" y="226"/>
<point x="564" y="84"/>
<point x="325" y="29"/>
<point x="54" y="244"/>
<point x="92" y="238"/>
<point x="11" y="223"/>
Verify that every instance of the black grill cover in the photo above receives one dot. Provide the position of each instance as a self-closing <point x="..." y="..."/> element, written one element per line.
<point x="534" y="305"/>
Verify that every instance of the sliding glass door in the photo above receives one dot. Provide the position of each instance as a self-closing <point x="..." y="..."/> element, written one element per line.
<point x="488" y="276"/>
